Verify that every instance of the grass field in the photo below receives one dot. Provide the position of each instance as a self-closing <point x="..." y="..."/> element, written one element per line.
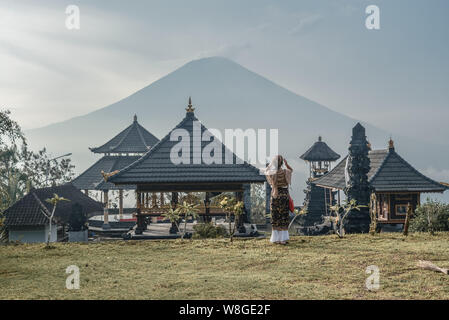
<point x="308" y="268"/>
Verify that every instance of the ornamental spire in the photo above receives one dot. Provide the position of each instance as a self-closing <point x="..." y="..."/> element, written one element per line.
<point x="190" y="108"/>
<point x="135" y="118"/>
<point x="390" y="144"/>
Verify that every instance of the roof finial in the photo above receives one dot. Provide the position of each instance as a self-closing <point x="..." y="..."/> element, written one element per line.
<point x="190" y="107"/>
<point x="135" y="118"/>
<point x="390" y="144"/>
<point x="319" y="138"/>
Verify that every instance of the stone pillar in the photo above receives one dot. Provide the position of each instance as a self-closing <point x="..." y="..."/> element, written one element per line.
<point x="247" y="202"/>
<point x="162" y="199"/>
<point x="267" y="198"/>
<point x="339" y="201"/>
<point x="141" y="224"/>
<point x="120" y="203"/>
<point x="154" y="200"/>
<point x="147" y="205"/>
<point x="174" y="202"/>
<point x="240" y="220"/>
<point x="207" y="218"/>
<point x="106" y="211"/>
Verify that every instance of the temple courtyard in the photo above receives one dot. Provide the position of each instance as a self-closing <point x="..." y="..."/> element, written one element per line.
<point x="322" y="267"/>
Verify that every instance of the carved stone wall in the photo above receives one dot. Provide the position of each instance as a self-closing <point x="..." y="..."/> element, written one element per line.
<point x="315" y="204"/>
<point x="357" y="186"/>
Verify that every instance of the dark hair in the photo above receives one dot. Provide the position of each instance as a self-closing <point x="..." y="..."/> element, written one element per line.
<point x="280" y="161"/>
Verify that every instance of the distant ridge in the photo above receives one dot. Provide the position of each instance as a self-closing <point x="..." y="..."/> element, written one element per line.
<point x="226" y="95"/>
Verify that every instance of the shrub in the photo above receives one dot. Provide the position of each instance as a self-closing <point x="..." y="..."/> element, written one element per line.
<point x="430" y="217"/>
<point x="208" y="230"/>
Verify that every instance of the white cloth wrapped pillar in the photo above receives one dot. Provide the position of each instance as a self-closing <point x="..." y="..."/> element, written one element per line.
<point x="106" y="210"/>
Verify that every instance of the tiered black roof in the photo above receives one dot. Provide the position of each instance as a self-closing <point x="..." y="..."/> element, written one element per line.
<point x="156" y="166"/>
<point x="92" y="179"/>
<point x="389" y="173"/>
<point x="134" y="139"/>
<point x="28" y="210"/>
<point x="320" y="151"/>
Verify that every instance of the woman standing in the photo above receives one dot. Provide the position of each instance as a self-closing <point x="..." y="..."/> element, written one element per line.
<point x="279" y="180"/>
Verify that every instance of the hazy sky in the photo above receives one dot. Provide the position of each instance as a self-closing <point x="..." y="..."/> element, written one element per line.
<point x="396" y="78"/>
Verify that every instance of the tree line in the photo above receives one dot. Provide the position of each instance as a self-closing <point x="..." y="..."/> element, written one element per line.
<point x="22" y="168"/>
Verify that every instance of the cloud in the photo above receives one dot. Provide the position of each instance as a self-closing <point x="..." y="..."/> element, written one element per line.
<point x="319" y="49"/>
<point x="437" y="175"/>
<point x="305" y="23"/>
<point x="50" y="73"/>
<point x="230" y="50"/>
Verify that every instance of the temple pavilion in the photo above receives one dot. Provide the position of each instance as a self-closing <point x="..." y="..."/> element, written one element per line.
<point x="119" y="152"/>
<point x="159" y="171"/>
<point x="395" y="183"/>
<point x="318" y="199"/>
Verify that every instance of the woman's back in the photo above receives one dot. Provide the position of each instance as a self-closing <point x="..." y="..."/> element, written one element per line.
<point x="281" y="179"/>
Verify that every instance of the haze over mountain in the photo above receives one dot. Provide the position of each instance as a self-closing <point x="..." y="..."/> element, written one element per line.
<point x="227" y="95"/>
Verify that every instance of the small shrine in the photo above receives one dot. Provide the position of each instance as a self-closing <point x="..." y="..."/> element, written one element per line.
<point x="158" y="172"/>
<point x="318" y="199"/>
<point x="395" y="183"/>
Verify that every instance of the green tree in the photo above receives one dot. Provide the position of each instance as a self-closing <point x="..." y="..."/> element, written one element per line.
<point x="430" y="217"/>
<point x="9" y="129"/>
<point x="9" y="132"/>
<point x="21" y="168"/>
<point x="12" y="178"/>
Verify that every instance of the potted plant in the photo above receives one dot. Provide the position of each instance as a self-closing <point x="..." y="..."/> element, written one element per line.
<point x="187" y="210"/>
<point x="173" y="216"/>
<point x="235" y="208"/>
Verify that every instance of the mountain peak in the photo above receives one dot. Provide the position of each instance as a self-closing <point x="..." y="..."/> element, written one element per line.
<point x="226" y="96"/>
<point x="212" y="65"/>
<point x="213" y="59"/>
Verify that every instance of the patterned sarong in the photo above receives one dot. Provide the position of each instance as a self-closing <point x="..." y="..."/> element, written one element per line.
<point x="279" y="210"/>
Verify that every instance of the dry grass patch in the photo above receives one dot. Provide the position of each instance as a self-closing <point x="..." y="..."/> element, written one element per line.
<point x="308" y="268"/>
